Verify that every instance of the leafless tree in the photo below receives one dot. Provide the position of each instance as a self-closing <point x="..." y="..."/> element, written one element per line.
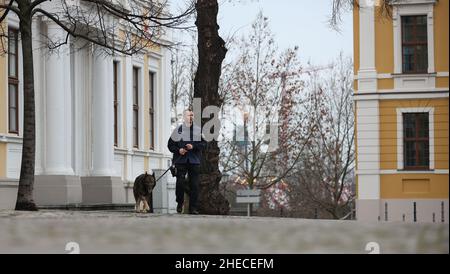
<point x="265" y="87"/>
<point x="324" y="177"/>
<point x="340" y="7"/>
<point x="183" y="65"/>
<point x="178" y="82"/>
<point x="211" y="48"/>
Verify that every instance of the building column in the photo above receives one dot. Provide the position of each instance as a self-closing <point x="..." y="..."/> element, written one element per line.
<point x="368" y="160"/>
<point x="164" y="94"/>
<point x="102" y="186"/>
<point x="57" y="184"/>
<point x="39" y="68"/>
<point x="367" y="121"/>
<point x="102" y="115"/>
<point x="367" y="74"/>
<point x="129" y="118"/>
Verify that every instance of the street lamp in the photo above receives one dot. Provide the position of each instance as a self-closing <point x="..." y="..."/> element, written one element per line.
<point x="250" y="185"/>
<point x="246" y="114"/>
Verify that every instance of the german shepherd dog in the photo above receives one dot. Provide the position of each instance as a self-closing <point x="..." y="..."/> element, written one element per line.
<point x="142" y="190"/>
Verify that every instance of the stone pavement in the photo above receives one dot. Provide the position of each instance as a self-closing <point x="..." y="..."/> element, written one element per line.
<point x="49" y="231"/>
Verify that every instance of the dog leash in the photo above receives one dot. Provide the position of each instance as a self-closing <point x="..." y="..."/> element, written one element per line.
<point x="167" y="170"/>
<point x="164" y="173"/>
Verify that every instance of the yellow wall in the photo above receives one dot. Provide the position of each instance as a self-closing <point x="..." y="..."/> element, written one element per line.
<point x="384" y="43"/>
<point x="441" y="45"/>
<point x="388" y="130"/>
<point x="146" y="159"/>
<point x="356" y="40"/>
<point x="3" y="90"/>
<point x="442" y="82"/>
<point x="418" y="186"/>
<point x="2" y="160"/>
<point x="441" y="134"/>
<point x="385" y="83"/>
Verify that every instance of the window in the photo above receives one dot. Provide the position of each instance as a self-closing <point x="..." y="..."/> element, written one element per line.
<point x="116" y="102"/>
<point x="151" y="109"/>
<point x="136" y="107"/>
<point x="414" y="44"/>
<point x="416" y="141"/>
<point x="13" y="81"/>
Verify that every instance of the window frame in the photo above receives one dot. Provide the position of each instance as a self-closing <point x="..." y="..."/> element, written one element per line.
<point x="416" y="140"/>
<point x="414" y="43"/>
<point x="116" y="101"/>
<point x="400" y="139"/>
<point x="151" y="108"/>
<point x="413" y="7"/>
<point x="13" y="80"/>
<point x="135" y="105"/>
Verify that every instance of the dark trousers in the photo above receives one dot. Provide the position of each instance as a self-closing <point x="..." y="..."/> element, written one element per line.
<point x="189" y="184"/>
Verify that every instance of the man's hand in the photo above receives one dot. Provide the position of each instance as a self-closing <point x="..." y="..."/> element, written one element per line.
<point x="182" y="151"/>
<point x="189" y="147"/>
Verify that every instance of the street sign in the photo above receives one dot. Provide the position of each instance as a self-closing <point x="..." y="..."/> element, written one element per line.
<point x="248" y="196"/>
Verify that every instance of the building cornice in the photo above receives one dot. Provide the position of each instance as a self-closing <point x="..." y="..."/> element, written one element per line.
<point x="413" y="2"/>
<point x="10" y="139"/>
<point x="390" y="95"/>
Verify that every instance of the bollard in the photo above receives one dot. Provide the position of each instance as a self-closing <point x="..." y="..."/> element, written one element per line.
<point x="386" y="212"/>
<point x="415" y="213"/>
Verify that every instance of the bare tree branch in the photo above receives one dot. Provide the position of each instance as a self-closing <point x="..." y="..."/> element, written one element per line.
<point x="7" y="8"/>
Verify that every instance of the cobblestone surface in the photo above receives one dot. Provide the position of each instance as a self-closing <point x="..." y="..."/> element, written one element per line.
<point x="48" y="231"/>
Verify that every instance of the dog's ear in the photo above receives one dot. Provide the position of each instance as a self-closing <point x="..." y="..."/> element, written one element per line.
<point x="146" y="173"/>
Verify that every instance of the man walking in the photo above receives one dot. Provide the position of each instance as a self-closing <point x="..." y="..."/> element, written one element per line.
<point x="186" y="143"/>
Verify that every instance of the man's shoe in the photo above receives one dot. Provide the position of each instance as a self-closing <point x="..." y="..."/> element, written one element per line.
<point x="179" y="208"/>
<point x="194" y="212"/>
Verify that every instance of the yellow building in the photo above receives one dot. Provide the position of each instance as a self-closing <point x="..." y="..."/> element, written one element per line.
<point x="401" y="100"/>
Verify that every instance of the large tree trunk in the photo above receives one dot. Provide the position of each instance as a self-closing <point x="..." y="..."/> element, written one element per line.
<point x="211" y="51"/>
<point x="25" y="194"/>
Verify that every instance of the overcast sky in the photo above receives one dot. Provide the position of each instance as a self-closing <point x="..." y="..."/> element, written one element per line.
<point x="300" y="23"/>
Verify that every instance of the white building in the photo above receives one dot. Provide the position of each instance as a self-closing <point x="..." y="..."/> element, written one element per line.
<point x="101" y="121"/>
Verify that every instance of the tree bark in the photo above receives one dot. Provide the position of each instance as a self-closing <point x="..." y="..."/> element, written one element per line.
<point x="25" y="193"/>
<point x="212" y="51"/>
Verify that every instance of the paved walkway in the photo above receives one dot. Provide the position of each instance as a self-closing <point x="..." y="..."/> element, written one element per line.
<point x="49" y="231"/>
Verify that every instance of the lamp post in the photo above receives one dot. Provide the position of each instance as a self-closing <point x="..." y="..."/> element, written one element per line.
<point x="246" y="139"/>
<point x="246" y="115"/>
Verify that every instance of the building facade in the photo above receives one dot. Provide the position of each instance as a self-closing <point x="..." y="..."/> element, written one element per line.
<point x="101" y="120"/>
<point x="401" y="101"/>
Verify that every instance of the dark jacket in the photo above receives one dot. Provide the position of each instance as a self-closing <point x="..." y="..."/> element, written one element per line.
<point x="183" y="135"/>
